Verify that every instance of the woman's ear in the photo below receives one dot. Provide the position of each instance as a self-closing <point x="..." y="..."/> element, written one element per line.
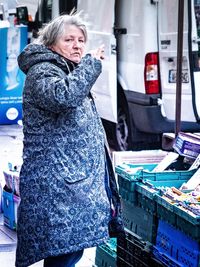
<point x="51" y="47"/>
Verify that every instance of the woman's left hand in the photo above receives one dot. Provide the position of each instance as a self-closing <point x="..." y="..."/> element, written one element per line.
<point x="98" y="53"/>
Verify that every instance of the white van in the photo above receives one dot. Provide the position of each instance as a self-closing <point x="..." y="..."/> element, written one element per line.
<point x="136" y="94"/>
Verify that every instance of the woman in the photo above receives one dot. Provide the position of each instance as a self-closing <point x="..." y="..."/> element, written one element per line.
<point x="63" y="184"/>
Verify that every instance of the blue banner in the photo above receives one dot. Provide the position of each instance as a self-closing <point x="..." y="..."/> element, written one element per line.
<point x="12" y="40"/>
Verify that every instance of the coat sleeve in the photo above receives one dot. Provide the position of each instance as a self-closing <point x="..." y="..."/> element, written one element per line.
<point x="51" y="89"/>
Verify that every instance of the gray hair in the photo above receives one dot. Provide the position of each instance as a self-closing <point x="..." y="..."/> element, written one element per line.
<point x="55" y="28"/>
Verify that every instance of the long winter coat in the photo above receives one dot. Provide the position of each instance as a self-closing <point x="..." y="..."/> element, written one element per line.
<point x="64" y="205"/>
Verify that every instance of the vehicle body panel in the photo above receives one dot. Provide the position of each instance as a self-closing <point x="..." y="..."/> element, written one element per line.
<point x="100" y="31"/>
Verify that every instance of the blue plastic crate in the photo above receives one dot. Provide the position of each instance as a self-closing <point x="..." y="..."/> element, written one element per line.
<point x="165" y="259"/>
<point x="177" y="245"/>
<point x="148" y="195"/>
<point x="8" y="210"/>
<point x="129" y="174"/>
<point x="132" y="171"/>
<point x="145" y="190"/>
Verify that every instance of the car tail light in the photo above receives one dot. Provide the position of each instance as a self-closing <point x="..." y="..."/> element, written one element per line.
<point x="151" y="74"/>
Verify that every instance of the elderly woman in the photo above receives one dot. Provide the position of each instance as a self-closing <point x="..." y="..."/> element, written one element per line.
<point x="64" y="188"/>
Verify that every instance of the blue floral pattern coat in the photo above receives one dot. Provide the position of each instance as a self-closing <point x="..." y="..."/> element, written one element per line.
<point x="64" y="205"/>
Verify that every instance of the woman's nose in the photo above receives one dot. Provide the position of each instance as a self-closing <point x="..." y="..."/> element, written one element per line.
<point x="77" y="44"/>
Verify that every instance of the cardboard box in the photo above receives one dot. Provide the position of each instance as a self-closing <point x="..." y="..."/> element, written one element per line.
<point x="187" y="144"/>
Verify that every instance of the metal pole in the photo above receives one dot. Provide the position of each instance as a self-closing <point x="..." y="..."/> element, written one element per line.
<point x="179" y="66"/>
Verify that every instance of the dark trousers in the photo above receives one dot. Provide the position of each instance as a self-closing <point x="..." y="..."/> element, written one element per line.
<point x="66" y="260"/>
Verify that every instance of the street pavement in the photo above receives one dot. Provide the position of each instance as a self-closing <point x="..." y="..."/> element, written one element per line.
<point x="7" y="259"/>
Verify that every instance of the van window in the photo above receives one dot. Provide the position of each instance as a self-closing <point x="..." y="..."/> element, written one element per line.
<point x="197" y="16"/>
<point x="44" y="13"/>
<point x="67" y="6"/>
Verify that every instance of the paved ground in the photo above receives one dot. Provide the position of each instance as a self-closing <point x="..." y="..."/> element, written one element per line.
<point x="7" y="259"/>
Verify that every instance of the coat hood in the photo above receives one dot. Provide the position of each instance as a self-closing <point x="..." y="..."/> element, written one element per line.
<point x="36" y="53"/>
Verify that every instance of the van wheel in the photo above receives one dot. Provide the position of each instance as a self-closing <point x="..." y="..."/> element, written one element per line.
<point x="118" y="134"/>
<point x="122" y="130"/>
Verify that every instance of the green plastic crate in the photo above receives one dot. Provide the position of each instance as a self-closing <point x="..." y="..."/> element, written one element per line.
<point x="167" y="175"/>
<point x="165" y="208"/>
<point x="106" y="255"/>
<point x="146" y="197"/>
<point x="138" y="172"/>
<point x="187" y="223"/>
<point x="139" y="221"/>
<point x="148" y="188"/>
<point x="133" y="172"/>
<point x="141" y="190"/>
<point x="128" y="196"/>
<point x="128" y="180"/>
<point x="173" y="214"/>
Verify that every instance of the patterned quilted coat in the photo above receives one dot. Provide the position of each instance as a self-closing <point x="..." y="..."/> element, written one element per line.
<point x="64" y="205"/>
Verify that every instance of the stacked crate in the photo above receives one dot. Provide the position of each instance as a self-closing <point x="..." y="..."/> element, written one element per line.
<point x="132" y="250"/>
<point x="135" y="249"/>
<point x="144" y="210"/>
<point x="106" y="254"/>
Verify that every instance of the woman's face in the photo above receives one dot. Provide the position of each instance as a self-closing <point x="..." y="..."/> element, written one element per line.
<point x="71" y="45"/>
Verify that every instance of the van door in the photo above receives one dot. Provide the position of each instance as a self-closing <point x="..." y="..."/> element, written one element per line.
<point x="100" y="16"/>
<point x="167" y="31"/>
